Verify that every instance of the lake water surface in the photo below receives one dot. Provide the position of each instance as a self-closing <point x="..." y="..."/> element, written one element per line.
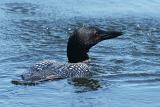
<point x="127" y="68"/>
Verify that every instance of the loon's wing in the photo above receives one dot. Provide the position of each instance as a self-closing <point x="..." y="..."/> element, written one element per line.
<point x="41" y="70"/>
<point x="52" y="70"/>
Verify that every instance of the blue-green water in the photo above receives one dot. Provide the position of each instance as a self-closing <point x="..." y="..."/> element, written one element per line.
<point x="127" y="68"/>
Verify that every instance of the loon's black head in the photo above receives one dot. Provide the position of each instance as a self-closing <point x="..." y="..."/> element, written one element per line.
<point x="82" y="39"/>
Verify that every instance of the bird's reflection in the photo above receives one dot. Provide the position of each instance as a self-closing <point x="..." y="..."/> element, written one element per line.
<point x="85" y="84"/>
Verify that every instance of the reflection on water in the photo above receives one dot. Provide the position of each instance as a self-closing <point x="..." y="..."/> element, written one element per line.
<point x="126" y="69"/>
<point x="85" y="84"/>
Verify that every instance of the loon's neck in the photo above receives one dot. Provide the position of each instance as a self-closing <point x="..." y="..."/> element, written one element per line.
<point x="76" y="52"/>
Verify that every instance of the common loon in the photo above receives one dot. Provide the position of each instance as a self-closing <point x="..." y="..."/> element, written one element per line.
<point x="79" y="43"/>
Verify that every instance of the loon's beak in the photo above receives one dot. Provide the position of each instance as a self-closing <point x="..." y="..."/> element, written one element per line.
<point x="109" y="34"/>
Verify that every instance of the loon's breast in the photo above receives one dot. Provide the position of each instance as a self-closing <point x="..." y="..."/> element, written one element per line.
<point x="50" y="70"/>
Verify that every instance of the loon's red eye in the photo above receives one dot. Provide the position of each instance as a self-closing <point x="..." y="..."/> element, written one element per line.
<point x="95" y="33"/>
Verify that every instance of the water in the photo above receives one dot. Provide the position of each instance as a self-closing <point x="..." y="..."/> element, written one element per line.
<point x="127" y="68"/>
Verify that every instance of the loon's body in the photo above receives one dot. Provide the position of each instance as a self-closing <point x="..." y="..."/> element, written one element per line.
<point x="55" y="70"/>
<point x="79" y="43"/>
